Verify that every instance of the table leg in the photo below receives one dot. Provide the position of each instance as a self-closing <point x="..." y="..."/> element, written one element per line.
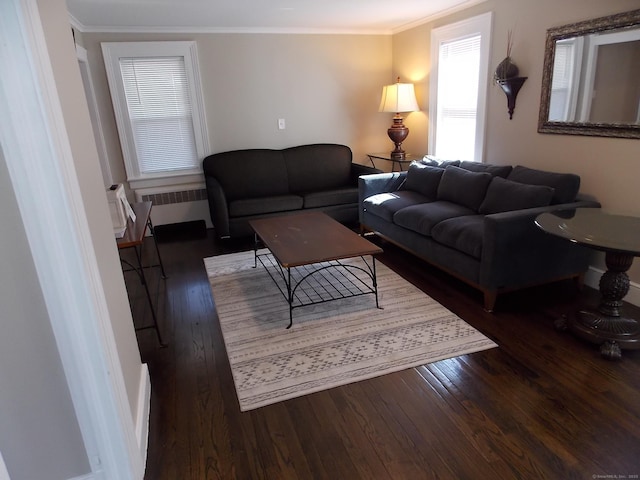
<point x="375" y="281"/>
<point x="290" y="297"/>
<point x="255" y="250"/>
<point x="143" y="281"/>
<point x="153" y="234"/>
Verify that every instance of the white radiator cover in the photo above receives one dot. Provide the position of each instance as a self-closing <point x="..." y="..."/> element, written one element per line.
<point x="176" y="204"/>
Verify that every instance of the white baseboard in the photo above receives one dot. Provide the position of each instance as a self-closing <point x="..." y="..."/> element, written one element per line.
<point x="592" y="279"/>
<point x="143" y="411"/>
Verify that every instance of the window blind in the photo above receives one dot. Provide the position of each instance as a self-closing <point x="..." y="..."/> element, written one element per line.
<point x="160" y="112"/>
<point x="458" y="84"/>
<point x="561" y="94"/>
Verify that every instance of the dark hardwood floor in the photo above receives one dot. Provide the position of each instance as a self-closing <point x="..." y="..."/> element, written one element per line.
<point x="542" y="405"/>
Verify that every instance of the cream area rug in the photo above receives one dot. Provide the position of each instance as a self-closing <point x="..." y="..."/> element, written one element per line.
<point x="329" y="344"/>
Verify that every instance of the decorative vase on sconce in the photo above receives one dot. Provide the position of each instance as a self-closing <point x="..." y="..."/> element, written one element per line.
<point x="506" y="69"/>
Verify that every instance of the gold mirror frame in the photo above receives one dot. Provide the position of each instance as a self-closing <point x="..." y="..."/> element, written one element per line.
<point x="619" y="21"/>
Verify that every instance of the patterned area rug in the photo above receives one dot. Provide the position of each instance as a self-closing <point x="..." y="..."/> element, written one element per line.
<point x="329" y="344"/>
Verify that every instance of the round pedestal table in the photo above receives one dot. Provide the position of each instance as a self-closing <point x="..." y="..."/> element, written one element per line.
<point x="619" y="237"/>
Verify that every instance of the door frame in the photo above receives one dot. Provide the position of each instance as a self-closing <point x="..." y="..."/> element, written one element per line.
<point x="37" y="150"/>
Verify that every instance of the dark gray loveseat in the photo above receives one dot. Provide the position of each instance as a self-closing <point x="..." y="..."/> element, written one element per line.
<point x="247" y="184"/>
<point x="476" y="222"/>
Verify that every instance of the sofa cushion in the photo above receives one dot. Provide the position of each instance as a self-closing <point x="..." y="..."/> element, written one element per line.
<point x="463" y="187"/>
<point x="317" y="167"/>
<point x="566" y="185"/>
<point x="252" y="173"/>
<point x="507" y="195"/>
<point x="465" y="234"/>
<point x="258" y="206"/>
<point x="495" y="170"/>
<point x="384" y="205"/>
<point x="423" y="179"/>
<point x="335" y="196"/>
<point x="423" y="217"/>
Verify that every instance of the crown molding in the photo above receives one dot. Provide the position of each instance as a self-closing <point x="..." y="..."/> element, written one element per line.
<point x="436" y="16"/>
<point x="241" y="30"/>
<point x="75" y="23"/>
<point x="79" y="26"/>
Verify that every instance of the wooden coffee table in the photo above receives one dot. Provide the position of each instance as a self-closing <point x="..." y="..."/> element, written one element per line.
<point x="304" y="259"/>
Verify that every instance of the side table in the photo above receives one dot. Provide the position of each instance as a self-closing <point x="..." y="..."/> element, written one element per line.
<point x="619" y="237"/>
<point x="408" y="158"/>
<point x="134" y="238"/>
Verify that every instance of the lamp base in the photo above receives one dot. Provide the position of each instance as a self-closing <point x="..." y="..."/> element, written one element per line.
<point x="398" y="133"/>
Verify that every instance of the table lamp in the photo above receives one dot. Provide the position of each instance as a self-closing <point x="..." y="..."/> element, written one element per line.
<point x="398" y="98"/>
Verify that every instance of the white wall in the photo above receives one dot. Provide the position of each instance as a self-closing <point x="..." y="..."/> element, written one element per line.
<point x="326" y="87"/>
<point x="70" y="89"/>
<point x="39" y="434"/>
<point x="51" y="387"/>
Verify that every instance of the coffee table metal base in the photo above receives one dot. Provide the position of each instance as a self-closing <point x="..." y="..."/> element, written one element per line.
<point x="322" y="282"/>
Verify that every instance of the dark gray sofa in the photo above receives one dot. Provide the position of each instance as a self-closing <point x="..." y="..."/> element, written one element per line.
<point x="476" y="221"/>
<point x="254" y="183"/>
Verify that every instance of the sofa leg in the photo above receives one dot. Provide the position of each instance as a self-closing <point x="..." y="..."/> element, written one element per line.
<point x="490" y="301"/>
<point x="363" y="230"/>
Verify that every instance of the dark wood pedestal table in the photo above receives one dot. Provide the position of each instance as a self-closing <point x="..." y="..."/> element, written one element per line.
<point x="619" y="237"/>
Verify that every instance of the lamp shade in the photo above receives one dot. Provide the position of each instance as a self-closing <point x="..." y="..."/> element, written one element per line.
<point x="398" y="97"/>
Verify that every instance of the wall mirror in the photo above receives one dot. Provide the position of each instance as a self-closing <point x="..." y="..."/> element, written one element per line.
<point x="591" y="78"/>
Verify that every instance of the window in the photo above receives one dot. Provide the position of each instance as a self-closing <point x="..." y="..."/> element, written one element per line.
<point x="459" y="80"/>
<point x="157" y="100"/>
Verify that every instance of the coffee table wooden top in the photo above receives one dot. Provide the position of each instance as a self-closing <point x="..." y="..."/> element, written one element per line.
<point x="306" y="238"/>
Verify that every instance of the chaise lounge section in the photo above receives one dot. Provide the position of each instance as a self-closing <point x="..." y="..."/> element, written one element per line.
<point x="243" y="185"/>
<point x="477" y="222"/>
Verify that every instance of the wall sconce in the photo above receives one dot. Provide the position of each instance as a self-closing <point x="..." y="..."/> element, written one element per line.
<point x="506" y="75"/>
<point x="511" y="87"/>
<point x="398" y="98"/>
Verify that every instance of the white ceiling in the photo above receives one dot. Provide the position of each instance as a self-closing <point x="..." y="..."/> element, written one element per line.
<point x="287" y="16"/>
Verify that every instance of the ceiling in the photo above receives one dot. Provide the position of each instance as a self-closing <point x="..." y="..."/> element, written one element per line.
<point x="259" y="16"/>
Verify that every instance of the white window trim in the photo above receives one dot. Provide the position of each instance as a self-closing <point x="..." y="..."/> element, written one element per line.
<point x="480" y="24"/>
<point x="112" y="52"/>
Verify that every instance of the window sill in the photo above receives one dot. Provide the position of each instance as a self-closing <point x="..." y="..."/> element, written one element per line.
<point x="160" y="182"/>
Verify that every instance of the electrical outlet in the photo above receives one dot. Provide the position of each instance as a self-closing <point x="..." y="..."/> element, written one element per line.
<point x="281" y="124"/>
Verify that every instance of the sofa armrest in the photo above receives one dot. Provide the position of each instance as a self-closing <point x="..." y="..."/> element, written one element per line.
<point x="369" y="185"/>
<point x="218" y="208"/>
<point x="357" y="169"/>
<point x="517" y="253"/>
<point x="379" y="183"/>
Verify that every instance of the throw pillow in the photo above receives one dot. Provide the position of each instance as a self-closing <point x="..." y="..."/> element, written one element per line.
<point x="566" y="185"/>
<point x="506" y="195"/>
<point x="423" y="179"/>
<point x="463" y="187"/>
<point x="495" y="170"/>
